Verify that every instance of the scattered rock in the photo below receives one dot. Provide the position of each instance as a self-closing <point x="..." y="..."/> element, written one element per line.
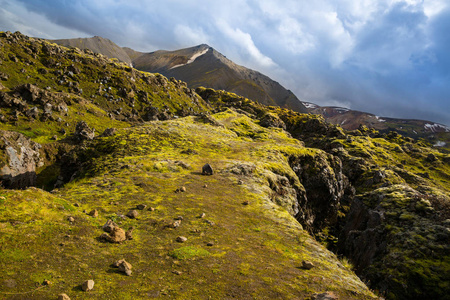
<point x="181" y="239"/>
<point x="83" y="132"/>
<point x="108" y="132"/>
<point x="177" y="272"/>
<point x="87" y="285"/>
<point x="117" y="235"/>
<point x="205" y="186"/>
<point x="240" y="182"/>
<point x="245" y="202"/>
<point x="210" y="222"/>
<point x="175" y="224"/>
<point x="151" y="209"/>
<point x="181" y="189"/>
<point x="93" y="213"/>
<point x="77" y="205"/>
<point x="179" y="218"/>
<point x="207" y="170"/>
<point x="307" y="265"/>
<point x="210" y="244"/>
<point x="325" y="296"/>
<point x="124" y="266"/>
<point x="71" y="219"/>
<point x="141" y="206"/>
<point x="63" y="297"/>
<point x="132" y="214"/>
<point x="202" y="216"/>
<point x="109" y="226"/>
<point x="129" y="233"/>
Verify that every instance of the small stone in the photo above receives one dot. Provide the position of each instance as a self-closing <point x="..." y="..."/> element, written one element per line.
<point x="46" y="282"/>
<point x="132" y="214"/>
<point x="124" y="266"/>
<point x="87" y="285"/>
<point x="307" y="265"/>
<point x="141" y="206"/>
<point x="207" y="169"/>
<point x="240" y="182"/>
<point x="179" y="218"/>
<point x="182" y="189"/>
<point x="129" y="233"/>
<point x="210" y="222"/>
<point x="93" y="213"/>
<point x="205" y="186"/>
<point x="177" y="272"/>
<point x="210" y="244"/>
<point x="76" y="205"/>
<point x="181" y="239"/>
<point x="176" y="224"/>
<point x="202" y="216"/>
<point x="71" y="219"/>
<point x="151" y="209"/>
<point x="63" y="297"/>
<point x="245" y="202"/>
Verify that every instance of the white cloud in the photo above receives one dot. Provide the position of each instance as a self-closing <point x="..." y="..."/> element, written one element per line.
<point x="244" y="41"/>
<point x="367" y="54"/>
<point x="186" y="35"/>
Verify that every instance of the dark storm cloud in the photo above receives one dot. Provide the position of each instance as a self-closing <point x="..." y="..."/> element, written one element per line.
<point x="388" y="57"/>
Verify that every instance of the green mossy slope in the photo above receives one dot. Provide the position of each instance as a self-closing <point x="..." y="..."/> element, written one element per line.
<point x="258" y="247"/>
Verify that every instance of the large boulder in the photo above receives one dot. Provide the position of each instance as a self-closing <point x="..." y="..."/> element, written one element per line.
<point x="19" y="158"/>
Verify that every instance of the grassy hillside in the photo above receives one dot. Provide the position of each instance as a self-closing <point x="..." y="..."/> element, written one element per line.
<point x="286" y="186"/>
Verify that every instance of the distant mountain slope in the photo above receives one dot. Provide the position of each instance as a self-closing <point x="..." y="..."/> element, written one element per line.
<point x="349" y="119"/>
<point x="98" y="45"/>
<point x="204" y="66"/>
<point x="197" y="66"/>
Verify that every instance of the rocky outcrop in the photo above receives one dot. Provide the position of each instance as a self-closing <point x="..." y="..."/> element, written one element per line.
<point x="325" y="187"/>
<point x="19" y="158"/>
<point x="363" y="237"/>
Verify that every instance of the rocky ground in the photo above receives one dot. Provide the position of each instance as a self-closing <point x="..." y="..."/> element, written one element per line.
<point x="121" y="207"/>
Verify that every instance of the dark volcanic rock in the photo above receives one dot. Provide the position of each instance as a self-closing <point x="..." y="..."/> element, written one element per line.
<point x="207" y="170"/>
<point x="83" y="132"/>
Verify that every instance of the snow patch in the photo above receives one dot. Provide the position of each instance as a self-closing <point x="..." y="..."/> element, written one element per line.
<point x="380" y="119"/>
<point x="192" y="59"/>
<point x="342" y="110"/>
<point x="436" y="127"/>
<point x="310" y="105"/>
<point x="440" y="144"/>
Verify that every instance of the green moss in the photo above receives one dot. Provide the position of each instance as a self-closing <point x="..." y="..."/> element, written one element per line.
<point x="188" y="252"/>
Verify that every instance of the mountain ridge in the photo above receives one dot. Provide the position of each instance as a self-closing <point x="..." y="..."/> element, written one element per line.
<point x="218" y="72"/>
<point x="214" y="70"/>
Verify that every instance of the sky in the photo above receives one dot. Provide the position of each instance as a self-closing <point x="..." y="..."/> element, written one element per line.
<point x="387" y="57"/>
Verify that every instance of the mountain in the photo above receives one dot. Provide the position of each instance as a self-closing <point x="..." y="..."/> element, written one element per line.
<point x="197" y="66"/>
<point x="100" y="163"/>
<point x="437" y="134"/>
<point x="97" y="44"/>
<point x="204" y="66"/>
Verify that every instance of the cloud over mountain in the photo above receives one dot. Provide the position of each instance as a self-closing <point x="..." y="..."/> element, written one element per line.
<point x="386" y="57"/>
